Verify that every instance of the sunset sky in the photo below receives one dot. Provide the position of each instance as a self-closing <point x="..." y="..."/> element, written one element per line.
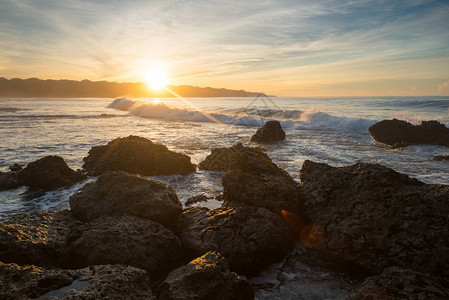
<point x="283" y="48"/>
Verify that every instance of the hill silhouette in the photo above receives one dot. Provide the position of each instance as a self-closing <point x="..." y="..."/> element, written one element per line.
<point x="38" y="88"/>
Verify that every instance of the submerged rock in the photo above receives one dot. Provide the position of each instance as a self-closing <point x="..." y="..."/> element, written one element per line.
<point x="49" y="173"/>
<point x="441" y="157"/>
<point x="138" y="155"/>
<point x="196" y="199"/>
<point x="375" y="217"/>
<point x="250" y="237"/>
<point x="95" y="282"/>
<point x="207" y="277"/>
<point x="398" y="133"/>
<point x="397" y="283"/>
<point x="38" y="238"/>
<point x="127" y="240"/>
<point x="118" y="193"/>
<point x="9" y="180"/>
<point x="270" y="132"/>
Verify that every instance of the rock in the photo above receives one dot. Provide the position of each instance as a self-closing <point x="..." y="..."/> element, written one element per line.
<point x="138" y="155"/>
<point x="38" y="238"/>
<point x="118" y="193"/>
<point x="375" y="217"/>
<point x="270" y="132"/>
<point x="441" y="157"/>
<point x="206" y="277"/>
<point x="397" y="133"/>
<point x="397" y="283"/>
<point x="95" y="282"/>
<point x="196" y="199"/>
<point x="49" y="173"/>
<point x="9" y="180"/>
<point x="250" y="237"/>
<point x="127" y="240"/>
<point x="15" y="167"/>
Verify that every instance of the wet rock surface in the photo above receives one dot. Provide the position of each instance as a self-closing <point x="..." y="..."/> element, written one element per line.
<point x="250" y="237"/>
<point x="398" y="133"/>
<point x="127" y="240"/>
<point x="397" y="283"/>
<point x="95" y="282"/>
<point x="270" y="132"/>
<point x="138" y="155"/>
<point x="375" y="217"/>
<point x="197" y="199"/>
<point x="9" y="180"/>
<point x="119" y="193"/>
<point x="49" y="173"/>
<point x="441" y="158"/>
<point x="207" y="277"/>
<point x="38" y="238"/>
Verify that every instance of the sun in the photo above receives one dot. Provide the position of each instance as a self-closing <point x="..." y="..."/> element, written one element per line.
<point x="156" y="78"/>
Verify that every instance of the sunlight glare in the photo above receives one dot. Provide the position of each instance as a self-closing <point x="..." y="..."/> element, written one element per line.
<point x="156" y="78"/>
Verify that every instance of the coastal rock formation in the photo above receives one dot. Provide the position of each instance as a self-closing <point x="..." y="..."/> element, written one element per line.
<point x="127" y="240"/>
<point x="250" y="237"/>
<point x="196" y="199"/>
<point x="207" y="277"/>
<point x="95" y="282"/>
<point x="398" y="133"/>
<point x="9" y="180"/>
<point x="118" y="193"/>
<point x="38" y="238"/>
<point x="15" y="167"/>
<point x="397" y="283"/>
<point x="270" y="132"/>
<point x="441" y="157"/>
<point x="138" y="155"/>
<point x="49" y="173"/>
<point x="375" y="217"/>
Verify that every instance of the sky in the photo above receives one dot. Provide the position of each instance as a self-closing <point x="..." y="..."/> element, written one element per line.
<point x="282" y="48"/>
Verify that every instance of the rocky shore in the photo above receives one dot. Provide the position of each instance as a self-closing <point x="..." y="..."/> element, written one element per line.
<point x="129" y="237"/>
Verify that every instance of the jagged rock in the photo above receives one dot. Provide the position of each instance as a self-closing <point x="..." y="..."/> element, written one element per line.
<point x="49" y="173"/>
<point x="95" y="282"/>
<point x="270" y="132"/>
<point x="397" y="283"/>
<point x="118" y="193"/>
<point x="127" y="240"/>
<point x="376" y="217"/>
<point x="9" y="180"/>
<point x="250" y="237"/>
<point x="208" y="278"/>
<point x="441" y="157"/>
<point x="38" y="238"/>
<point x="138" y="155"/>
<point x="15" y="167"/>
<point x="196" y="199"/>
<point x="398" y="133"/>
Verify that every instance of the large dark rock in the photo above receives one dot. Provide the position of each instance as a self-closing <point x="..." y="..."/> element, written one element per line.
<point x="250" y="237"/>
<point x="127" y="240"/>
<point x="9" y="180"/>
<point x="95" y="282"/>
<point x="49" y="173"/>
<point x="118" y="193"/>
<point x="208" y="278"/>
<point x="139" y="155"/>
<point x="38" y="238"/>
<point x="397" y="283"/>
<point x="398" y="133"/>
<point x="376" y="217"/>
<point x="270" y="132"/>
<point x="441" y="157"/>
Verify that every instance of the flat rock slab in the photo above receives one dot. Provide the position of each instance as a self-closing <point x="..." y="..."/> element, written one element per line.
<point x="96" y="282"/>
<point x="119" y="193"/>
<point x="376" y="217"/>
<point x="137" y="155"/>
<point x="208" y="278"/>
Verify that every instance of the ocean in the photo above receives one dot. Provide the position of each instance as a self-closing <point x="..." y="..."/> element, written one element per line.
<point x="330" y="130"/>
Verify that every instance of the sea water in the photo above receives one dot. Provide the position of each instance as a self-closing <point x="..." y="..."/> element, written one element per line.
<point x="329" y="130"/>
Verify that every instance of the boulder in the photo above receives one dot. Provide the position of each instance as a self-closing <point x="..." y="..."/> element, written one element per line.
<point x="127" y="240"/>
<point x="196" y="199"/>
<point x="38" y="238"/>
<point x="118" y="193"/>
<point x="250" y="237"/>
<point x="441" y="157"/>
<point x="95" y="282"/>
<point x="398" y="133"/>
<point x="208" y="278"/>
<point x="138" y="155"/>
<point x="9" y="180"/>
<point x="397" y="283"/>
<point x="270" y="132"/>
<point x="49" y="173"/>
<point x="375" y="217"/>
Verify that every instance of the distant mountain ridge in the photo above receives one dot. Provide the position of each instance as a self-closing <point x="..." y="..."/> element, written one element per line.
<point x="38" y="88"/>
